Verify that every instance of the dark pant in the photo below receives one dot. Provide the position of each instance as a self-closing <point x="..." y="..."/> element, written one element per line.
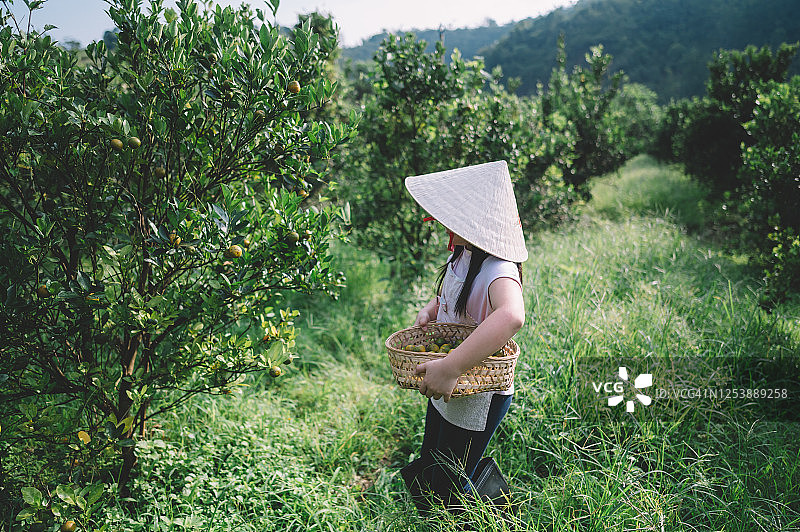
<point x="450" y="454"/>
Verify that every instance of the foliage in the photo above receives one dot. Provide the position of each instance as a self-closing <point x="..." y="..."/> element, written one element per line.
<point x="771" y="190"/>
<point x="670" y="132"/>
<point x="709" y="144"/>
<point x="707" y="134"/>
<point x="422" y="115"/>
<point x="735" y="76"/>
<point x="662" y="44"/>
<point x="713" y="137"/>
<point x="468" y="41"/>
<point x="156" y="211"/>
<point x="635" y="110"/>
<point x="576" y="106"/>
<point x="739" y="141"/>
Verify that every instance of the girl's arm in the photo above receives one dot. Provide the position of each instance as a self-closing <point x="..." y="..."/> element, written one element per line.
<point x="428" y="313"/>
<point x="441" y="376"/>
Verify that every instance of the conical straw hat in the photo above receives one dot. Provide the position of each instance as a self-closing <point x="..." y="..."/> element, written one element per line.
<point x="477" y="203"/>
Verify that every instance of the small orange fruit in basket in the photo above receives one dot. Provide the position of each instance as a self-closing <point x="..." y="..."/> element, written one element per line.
<point x="410" y="347"/>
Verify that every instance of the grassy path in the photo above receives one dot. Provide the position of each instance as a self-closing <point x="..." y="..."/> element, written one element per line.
<point x="320" y="450"/>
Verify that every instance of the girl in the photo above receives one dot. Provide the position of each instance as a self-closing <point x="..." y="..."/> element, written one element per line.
<point x="481" y="284"/>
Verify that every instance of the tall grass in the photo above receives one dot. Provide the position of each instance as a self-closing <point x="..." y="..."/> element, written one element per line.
<point x="646" y="188"/>
<point x="319" y="449"/>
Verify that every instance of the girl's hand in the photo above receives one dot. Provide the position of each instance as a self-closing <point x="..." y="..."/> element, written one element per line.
<point x="427" y="314"/>
<point x="440" y="378"/>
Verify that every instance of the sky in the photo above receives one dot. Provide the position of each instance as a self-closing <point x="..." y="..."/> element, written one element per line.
<point x="85" y="20"/>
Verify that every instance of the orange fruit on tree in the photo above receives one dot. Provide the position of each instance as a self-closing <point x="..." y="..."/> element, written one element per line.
<point x="294" y="86"/>
<point x="69" y="526"/>
<point x="43" y="291"/>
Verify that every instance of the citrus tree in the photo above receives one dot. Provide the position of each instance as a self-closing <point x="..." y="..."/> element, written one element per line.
<point x="155" y="209"/>
<point x="577" y="106"/>
<point x="707" y="134"/>
<point x="770" y="194"/>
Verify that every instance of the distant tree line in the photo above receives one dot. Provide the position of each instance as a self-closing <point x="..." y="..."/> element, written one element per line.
<point x="662" y="44"/>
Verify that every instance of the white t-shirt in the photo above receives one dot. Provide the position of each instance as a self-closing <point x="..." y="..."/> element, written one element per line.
<point x="470" y="412"/>
<point x="493" y="268"/>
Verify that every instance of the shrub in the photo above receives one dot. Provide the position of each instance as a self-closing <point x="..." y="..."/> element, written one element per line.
<point x="707" y="134"/>
<point x="636" y="112"/>
<point x="770" y="190"/>
<point x="576" y="108"/>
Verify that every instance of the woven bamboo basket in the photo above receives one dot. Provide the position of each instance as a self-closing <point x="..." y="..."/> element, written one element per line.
<point x="496" y="373"/>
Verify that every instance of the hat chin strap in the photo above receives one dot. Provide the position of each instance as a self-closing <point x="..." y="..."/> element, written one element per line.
<point x="450" y="246"/>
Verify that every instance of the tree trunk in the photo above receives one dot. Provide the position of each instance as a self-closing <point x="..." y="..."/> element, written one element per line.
<point x="125" y="403"/>
<point x="128" y="461"/>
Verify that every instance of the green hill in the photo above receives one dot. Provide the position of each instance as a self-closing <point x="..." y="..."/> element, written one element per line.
<point x="468" y="41"/>
<point x="664" y="44"/>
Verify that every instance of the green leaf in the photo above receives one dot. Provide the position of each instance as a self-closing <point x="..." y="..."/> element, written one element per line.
<point x="32" y="497"/>
<point x="26" y="513"/>
<point x="66" y="494"/>
<point x="83" y="281"/>
<point x="93" y="493"/>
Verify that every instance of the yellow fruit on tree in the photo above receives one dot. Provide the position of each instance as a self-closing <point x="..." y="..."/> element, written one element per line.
<point x="69" y="526"/>
<point x="294" y="87"/>
<point x="160" y="172"/>
<point x="174" y="239"/>
<point x="134" y="142"/>
<point x="233" y="252"/>
<point x="116" y="145"/>
<point x="275" y="371"/>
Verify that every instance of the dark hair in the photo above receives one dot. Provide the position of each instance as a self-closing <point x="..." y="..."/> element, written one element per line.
<point x="475" y="264"/>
